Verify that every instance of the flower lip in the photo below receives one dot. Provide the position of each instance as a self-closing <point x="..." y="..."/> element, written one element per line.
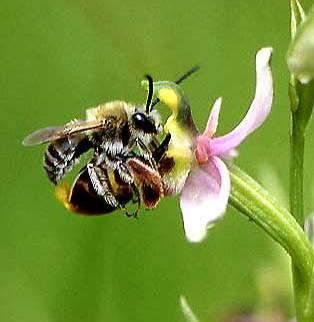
<point x="204" y="198"/>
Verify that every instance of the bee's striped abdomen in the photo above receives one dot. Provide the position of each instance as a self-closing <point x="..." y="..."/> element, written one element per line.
<point x="61" y="155"/>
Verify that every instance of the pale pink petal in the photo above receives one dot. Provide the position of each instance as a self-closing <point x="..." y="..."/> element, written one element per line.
<point x="213" y="119"/>
<point x="204" y="198"/>
<point x="258" y="112"/>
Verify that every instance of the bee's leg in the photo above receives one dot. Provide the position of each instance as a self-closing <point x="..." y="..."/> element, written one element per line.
<point x="119" y="165"/>
<point x="124" y="172"/>
<point x="138" y="201"/>
<point x="160" y="151"/>
<point x="100" y="182"/>
<point x="127" y="213"/>
<point x="154" y="144"/>
<point x="127" y="177"/>
<point x="146" y="153"/>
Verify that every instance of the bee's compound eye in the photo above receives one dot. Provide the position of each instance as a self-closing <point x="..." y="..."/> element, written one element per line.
<point x="143" y="122"/>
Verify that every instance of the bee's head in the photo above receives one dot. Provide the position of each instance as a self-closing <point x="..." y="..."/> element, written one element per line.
<point x="148" y="124"/>
<point x="145" y="120"/>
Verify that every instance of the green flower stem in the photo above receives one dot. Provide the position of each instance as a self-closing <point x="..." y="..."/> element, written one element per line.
<point x="303" y="301"/>
<point x="301" y="101"/>
<point x="296" y="169"/>
<point x="252" y="200"/>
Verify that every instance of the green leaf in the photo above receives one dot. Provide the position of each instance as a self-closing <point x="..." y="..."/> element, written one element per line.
<point x="187" y="311"/>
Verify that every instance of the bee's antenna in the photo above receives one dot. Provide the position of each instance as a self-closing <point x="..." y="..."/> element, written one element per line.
<point x="187" y="74"/>
<point x="150" y="93"/>
<point x="178" y="81"/>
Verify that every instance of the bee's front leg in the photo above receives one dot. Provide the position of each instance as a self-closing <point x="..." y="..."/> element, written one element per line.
<point x="161" y="150"/>
<point x="146" y="153"/>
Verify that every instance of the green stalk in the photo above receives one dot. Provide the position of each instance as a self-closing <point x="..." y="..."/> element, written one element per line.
<point x="302" y="297"/>
<point x="301" y="106"/>
<point x="259" y="206"/>
<point x="296" y="169"/>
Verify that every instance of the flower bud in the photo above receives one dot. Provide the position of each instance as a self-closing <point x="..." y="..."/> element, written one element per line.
<point x="300" y="56"/>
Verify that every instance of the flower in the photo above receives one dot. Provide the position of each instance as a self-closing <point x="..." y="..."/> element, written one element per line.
<point x="301" y="49"/>
<point x="206" y="191"/>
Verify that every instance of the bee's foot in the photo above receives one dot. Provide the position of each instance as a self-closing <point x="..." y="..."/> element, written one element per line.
<point x="131" y="214"/>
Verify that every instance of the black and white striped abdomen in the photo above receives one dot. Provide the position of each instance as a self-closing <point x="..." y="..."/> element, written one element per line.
<point x="61" y="155"/>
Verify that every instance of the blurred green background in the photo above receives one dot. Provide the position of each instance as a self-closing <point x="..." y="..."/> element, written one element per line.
<point x="59" y="57"/>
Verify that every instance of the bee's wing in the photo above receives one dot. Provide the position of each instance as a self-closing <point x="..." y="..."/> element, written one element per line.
<point x="44" y="135"/>
<point x="53" y="133"/>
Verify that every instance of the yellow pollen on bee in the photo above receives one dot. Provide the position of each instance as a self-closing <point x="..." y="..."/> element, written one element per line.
<point x="169" y="97"/>
<point x="62" y="192"/>
<point x="113" y="182"/>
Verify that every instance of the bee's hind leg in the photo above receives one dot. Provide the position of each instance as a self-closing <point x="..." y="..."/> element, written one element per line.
<point x="100" y="181"/>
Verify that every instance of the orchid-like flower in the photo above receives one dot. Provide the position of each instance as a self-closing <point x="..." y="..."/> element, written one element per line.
<point x="205" y="194"/>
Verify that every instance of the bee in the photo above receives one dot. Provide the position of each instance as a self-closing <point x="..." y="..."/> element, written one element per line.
<point x="126" y="151"/>
<point x="113" y="131"/>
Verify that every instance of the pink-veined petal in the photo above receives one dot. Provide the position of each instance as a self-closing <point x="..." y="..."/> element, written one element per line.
<point x="204" y="198"/>
<point x="213" y="119"/>
<point x="258" y="111"/>
<point x="202" y="149"/>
